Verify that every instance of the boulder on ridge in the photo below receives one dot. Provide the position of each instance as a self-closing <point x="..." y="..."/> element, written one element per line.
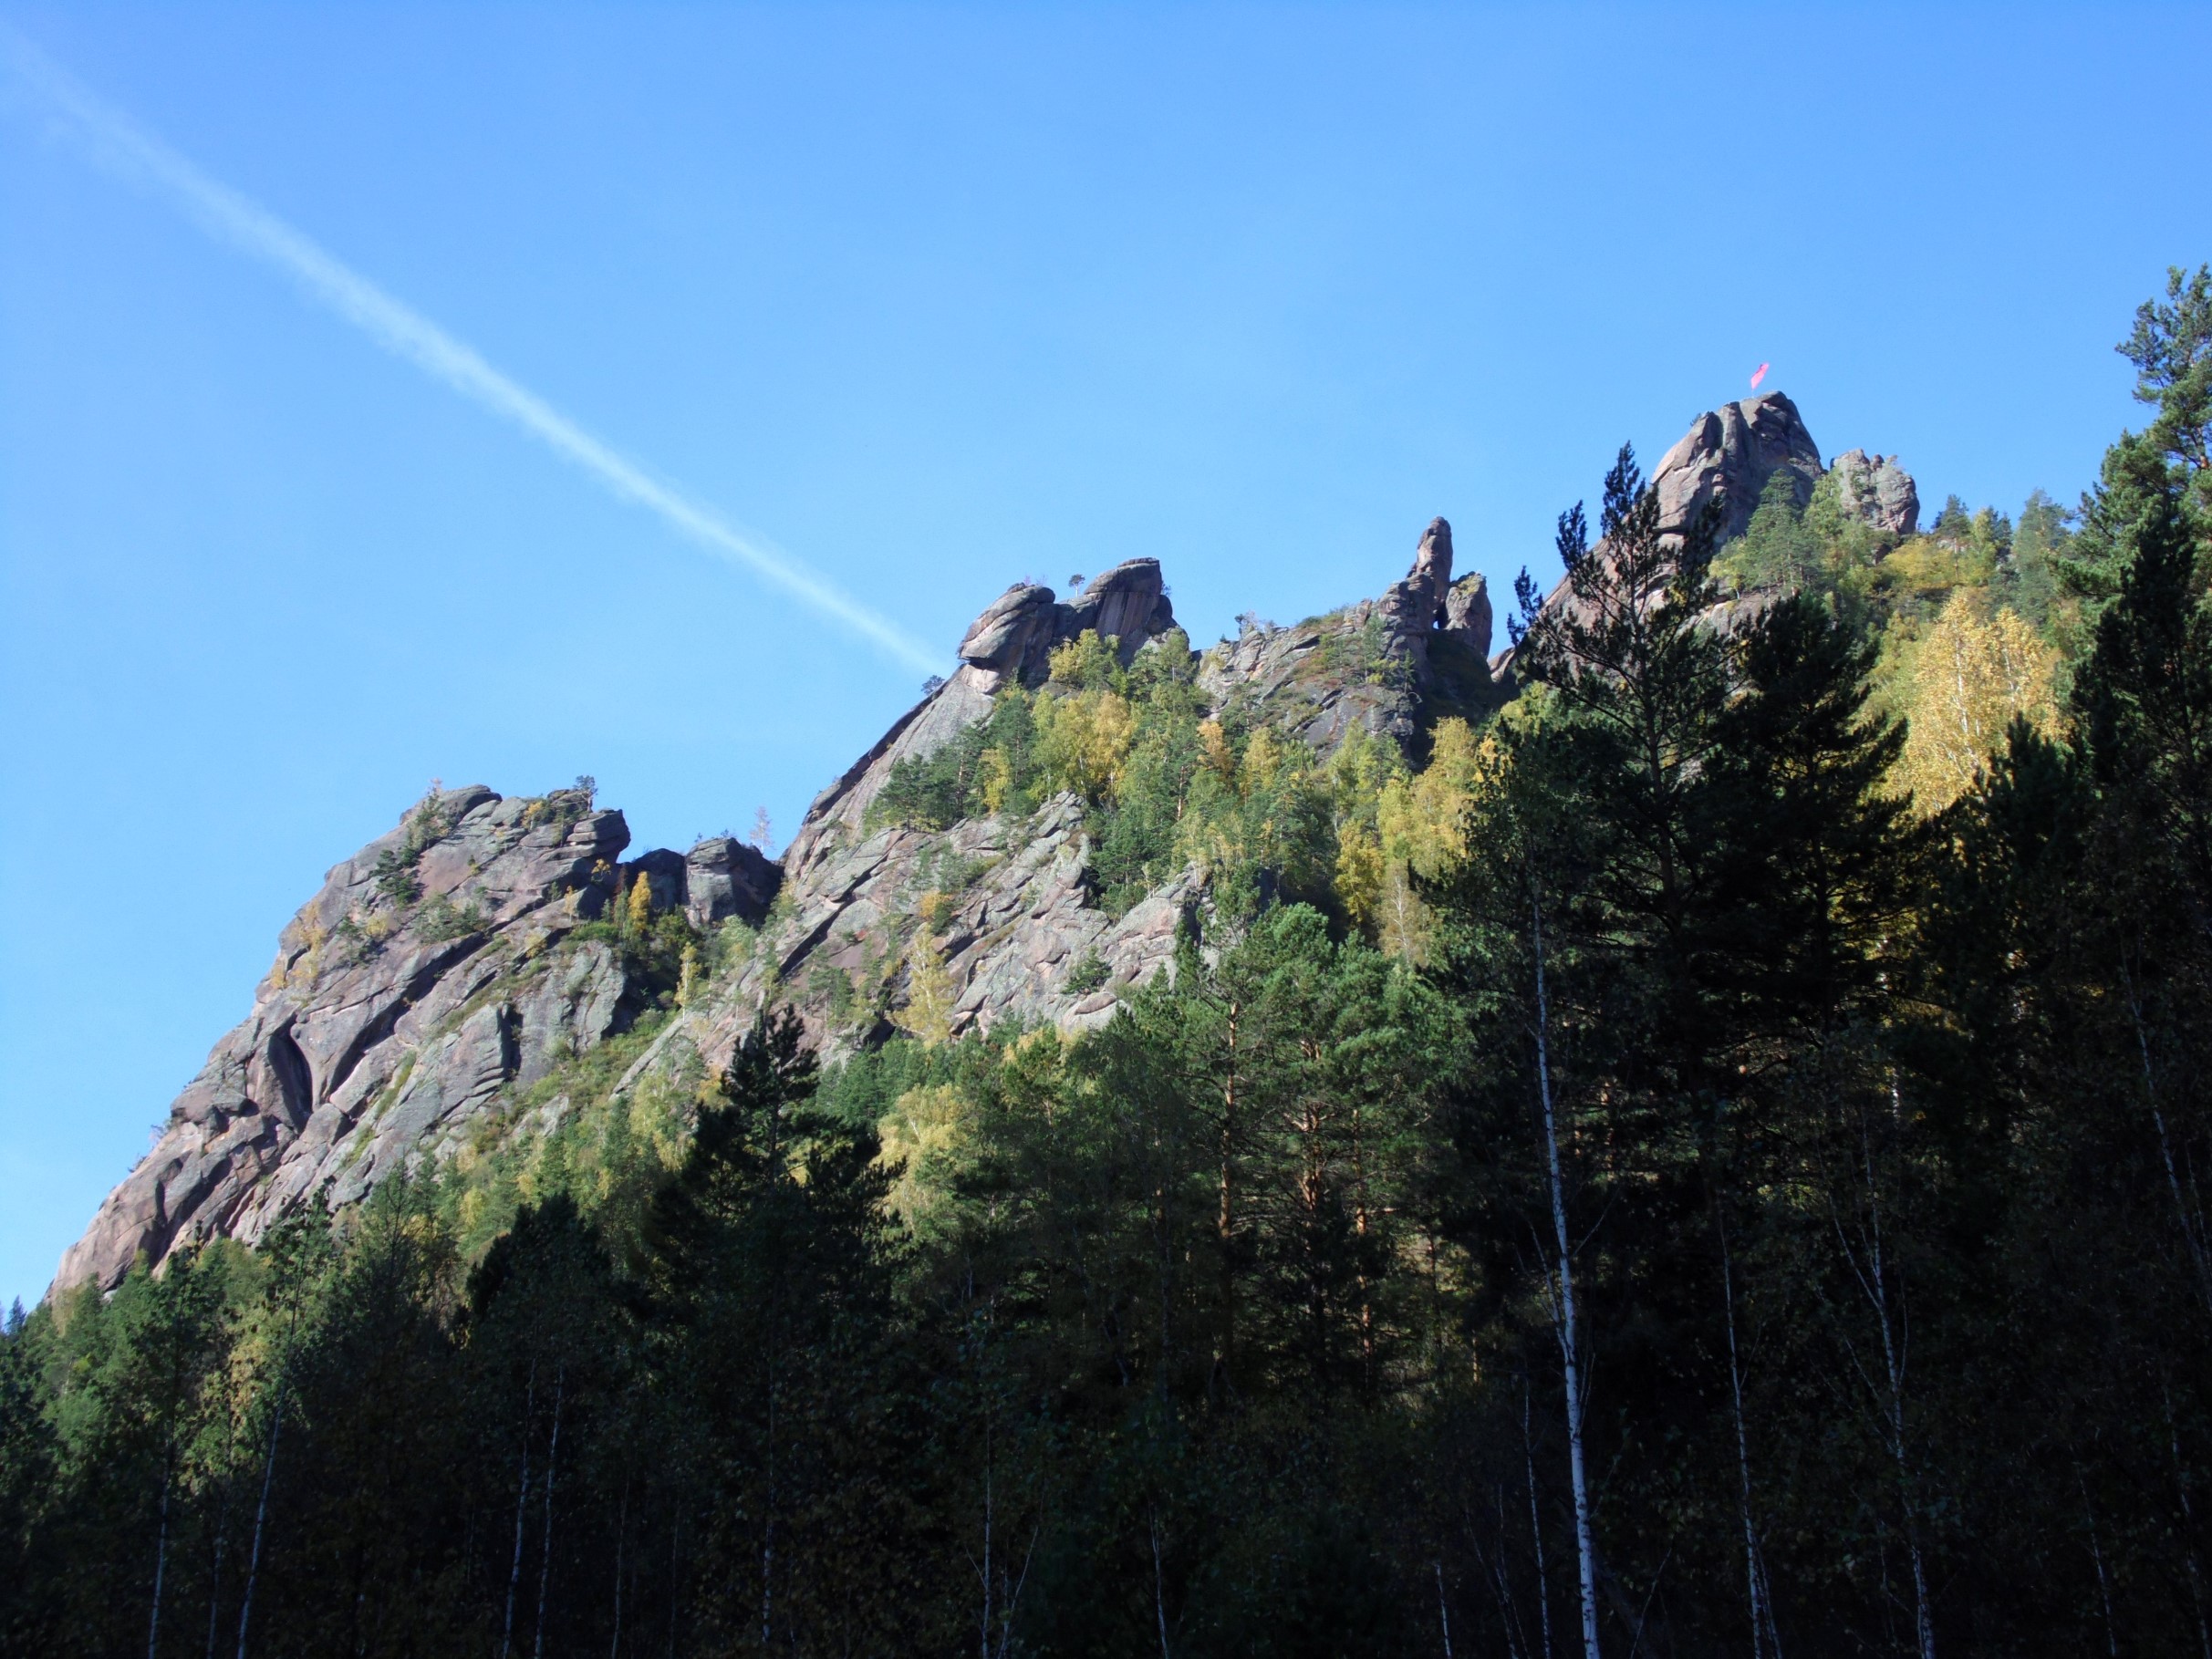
<point x="1877" y="489"/>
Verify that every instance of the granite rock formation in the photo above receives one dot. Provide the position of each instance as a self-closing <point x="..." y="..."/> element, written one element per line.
<point x="1877" y="489"/>
<point x="1008" y="644"/>
<point x="451" y="966"/>
<point x="1729" y="455"/>
<point x="432" y="973"/>
<point x="1379" y="666"/>
<point x="1466" y="613"/>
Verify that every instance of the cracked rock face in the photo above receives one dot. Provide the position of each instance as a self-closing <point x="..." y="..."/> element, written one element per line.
<point x="1371" y="667"/>
<point x="1729" y="455"/>
<point x="427" y="974"/>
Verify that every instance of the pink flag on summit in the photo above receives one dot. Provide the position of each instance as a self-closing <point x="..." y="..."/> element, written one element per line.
<point x="1759" y="376"/>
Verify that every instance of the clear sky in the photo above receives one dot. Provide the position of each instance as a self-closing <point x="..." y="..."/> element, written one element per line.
<point x="930" y="299"/>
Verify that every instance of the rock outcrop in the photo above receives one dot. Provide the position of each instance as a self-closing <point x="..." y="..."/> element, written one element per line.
<point x="1729" y="455"/>
<point x="1380" y="665"/>
<point x="1010" y="643"/>
<point x="724" y="877"/>
<point x="1466" y="613"/>
<point x="1877" y="489"/>
<point x="1019" y="914"/>
<point x="449" y="967"/>
<point x="430" y="973"/>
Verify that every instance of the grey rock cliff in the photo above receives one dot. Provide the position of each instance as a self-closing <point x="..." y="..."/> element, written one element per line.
<point x="1376" y="666"/>
<point x="1466" y="613"/>
<point x="429" y="972"/>
<point x="725" y="877"/>
<point x="1877" y="489"/>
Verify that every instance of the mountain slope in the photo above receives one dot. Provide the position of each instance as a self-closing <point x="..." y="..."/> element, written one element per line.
<point x="424" y="1004"/>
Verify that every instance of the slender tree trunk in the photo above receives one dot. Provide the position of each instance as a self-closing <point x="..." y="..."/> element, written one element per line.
<point x="545" y="1558"/>
<point x="768" y="1530"/>
<point x="621" y="1539"/>
<point x="522" y="1504"/>
<point x="214" y="1572"/>
<point x="2188" y="1518"/>
<point x="675" y="1577"/>
<point x="1543" y="1573"/>
<point x="1569" y="1335"/>
<point x="261" y="1516"/>
<point x="2096" y="1557"/>
<point x="1873" y="1275"/>
<point x="988" y="1496"/>
<point x="2189" y="1218"/>
<point x="1159" y="1585"/>
<point x="161" y="1557"/>
<point x="1443" y="1609"/>
<point x="1359" y="1230"/>
<point x="1494" y="1568"/>
<point x="1754" y="1564"/>
<point x="1225" y="1219"/>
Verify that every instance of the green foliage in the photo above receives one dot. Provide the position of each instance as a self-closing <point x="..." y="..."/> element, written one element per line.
<point x="1780" y="548"/>
<point x="1087" y="975"/>
<point x="440" y="920"/>
<point x="395" y="866"/>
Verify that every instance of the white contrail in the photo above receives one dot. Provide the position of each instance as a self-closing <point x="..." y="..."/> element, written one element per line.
<point x="113" y="142"/>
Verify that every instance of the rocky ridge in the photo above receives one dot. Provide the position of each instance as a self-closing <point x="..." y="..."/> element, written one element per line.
<point x="463" y="957"/>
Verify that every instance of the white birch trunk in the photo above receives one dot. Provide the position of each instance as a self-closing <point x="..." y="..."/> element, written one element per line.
<point x="160" y="1560"/>
<point x="261" y="1514"/>
<point x="521" y="1505"/>
<point x="1570" y="1346"/>
<point x="1763" y="1633"/>
<point x="545" y="1560"/>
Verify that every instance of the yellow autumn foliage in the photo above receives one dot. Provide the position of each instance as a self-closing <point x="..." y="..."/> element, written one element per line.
<point x="928" y="1014"/>
<point x="1971" y="676"/>
<point x="1084" y="739"/>
<point x="998" y="780"/>
<point x="1420" y="817"/>
<point x="1419" y="831"/>
<point x="1214" y="752"/>
<point x="920" y="1133"/>
<point x="1085" y="663"/>
<point x="1360" y="871"/>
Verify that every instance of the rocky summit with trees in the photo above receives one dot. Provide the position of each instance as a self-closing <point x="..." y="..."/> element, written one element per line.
<point x="1687" y="1134"/>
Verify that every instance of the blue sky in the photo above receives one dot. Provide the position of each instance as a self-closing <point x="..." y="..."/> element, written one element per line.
<point x="932" y="299"/>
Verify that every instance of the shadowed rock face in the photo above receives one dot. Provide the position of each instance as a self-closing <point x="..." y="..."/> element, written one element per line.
<point x="724" y="877"/>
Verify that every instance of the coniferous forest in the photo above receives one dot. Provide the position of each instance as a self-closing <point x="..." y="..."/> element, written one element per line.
<point x="1711" y="1158"/>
